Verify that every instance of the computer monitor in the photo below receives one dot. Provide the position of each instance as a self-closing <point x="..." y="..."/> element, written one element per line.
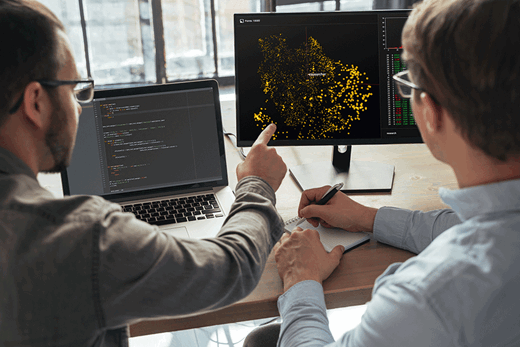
<point x="324" y="78"/>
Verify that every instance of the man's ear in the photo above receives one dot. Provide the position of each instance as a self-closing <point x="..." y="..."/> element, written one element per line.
<point x="432" y="113"/>
<point x="36" y="104"/>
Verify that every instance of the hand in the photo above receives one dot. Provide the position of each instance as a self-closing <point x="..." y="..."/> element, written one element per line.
<point x="341" y="211"/>
<point x="300" y="256"/>
<point x="263" y="161"/>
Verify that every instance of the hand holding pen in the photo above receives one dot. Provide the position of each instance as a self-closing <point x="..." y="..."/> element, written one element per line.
<point x="329" y="194"/>
<point x="340" y="212"/>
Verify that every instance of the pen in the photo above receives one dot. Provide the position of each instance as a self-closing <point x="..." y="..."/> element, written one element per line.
<point x="326" y="197"/>
<point x="330" y="193"/>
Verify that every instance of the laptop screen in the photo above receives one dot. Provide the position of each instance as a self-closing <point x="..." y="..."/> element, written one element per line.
<point x="147" y="140"/>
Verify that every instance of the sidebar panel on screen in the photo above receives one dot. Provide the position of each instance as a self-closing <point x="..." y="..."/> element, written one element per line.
<point x="85" y="171"/>
<point x="398" y="122"/>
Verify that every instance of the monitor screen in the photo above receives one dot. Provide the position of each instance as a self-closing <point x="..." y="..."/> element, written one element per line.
<point x="323" y="78"/>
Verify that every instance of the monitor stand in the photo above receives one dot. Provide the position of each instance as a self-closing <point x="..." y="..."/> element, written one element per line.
<point x="357" y="176"/>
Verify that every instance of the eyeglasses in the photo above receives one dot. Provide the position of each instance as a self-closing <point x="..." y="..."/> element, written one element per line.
<point x="404" y="85"/>
<point x="83" y="91"/>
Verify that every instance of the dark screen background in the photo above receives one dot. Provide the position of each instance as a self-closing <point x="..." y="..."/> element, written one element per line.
<point x="348" y="44"/>
<point x="131" y="144"/>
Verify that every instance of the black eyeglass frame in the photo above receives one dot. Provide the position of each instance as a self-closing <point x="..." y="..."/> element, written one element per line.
<point x="58" y="83"/>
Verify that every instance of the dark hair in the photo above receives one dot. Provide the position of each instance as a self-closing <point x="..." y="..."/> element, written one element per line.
<point x="465" y="54"/>
<point x="30" y="45"/>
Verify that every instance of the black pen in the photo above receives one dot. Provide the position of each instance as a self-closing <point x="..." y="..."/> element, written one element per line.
<point x="326" y="197"/>
<point x="330" y="193"/>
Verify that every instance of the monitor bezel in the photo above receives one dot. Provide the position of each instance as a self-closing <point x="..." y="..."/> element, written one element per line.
<point x="320" y="142"/>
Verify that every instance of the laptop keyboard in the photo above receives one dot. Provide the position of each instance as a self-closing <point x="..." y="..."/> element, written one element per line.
<point x="178" y="210"/>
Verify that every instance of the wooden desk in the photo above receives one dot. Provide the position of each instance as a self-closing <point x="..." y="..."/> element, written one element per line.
<point x="418" y="177"/>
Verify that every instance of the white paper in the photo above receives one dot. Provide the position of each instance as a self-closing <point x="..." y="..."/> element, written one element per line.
<point x="330" y="237"/>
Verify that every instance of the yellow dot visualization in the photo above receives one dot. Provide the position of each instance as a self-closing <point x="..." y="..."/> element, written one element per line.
<point x="312" y="93"/>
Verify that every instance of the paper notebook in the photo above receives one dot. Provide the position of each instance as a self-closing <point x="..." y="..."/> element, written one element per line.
<point x="330" y="237"/>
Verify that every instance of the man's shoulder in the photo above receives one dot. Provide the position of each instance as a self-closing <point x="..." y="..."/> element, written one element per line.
<point x="480" y="246"/>
<point x="462" y="279"/>
<point x="23" y="195"/>
<point x="464" y="268"/>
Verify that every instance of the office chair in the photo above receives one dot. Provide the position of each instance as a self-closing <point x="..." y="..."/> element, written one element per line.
<point x="263" y="336"/>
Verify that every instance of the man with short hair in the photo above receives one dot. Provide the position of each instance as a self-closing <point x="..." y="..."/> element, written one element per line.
<point x="76" y="271"/>
<point x="462" y="287"/>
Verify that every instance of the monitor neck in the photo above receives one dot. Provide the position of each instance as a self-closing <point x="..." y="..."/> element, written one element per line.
<point x="341" y="157"/>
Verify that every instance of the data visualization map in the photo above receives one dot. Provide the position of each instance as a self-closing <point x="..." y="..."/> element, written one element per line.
<point x="314" y="83"/>
<point x="312" y="93"/>
<point x="324" y="78"/>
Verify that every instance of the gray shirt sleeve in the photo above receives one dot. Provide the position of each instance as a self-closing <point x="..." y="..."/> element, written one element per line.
<point x="412" y="230"/>
<point x="144" y="272"/>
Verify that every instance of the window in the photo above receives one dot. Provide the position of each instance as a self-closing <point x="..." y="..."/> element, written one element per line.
<point x="149" y="41"/>
<point x="323" y="5"/>
<point x="120" y="42"/>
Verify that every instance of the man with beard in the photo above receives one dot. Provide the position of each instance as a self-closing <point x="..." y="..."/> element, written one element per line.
<point x="77" y="271"/>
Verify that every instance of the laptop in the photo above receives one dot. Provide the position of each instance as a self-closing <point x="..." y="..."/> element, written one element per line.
<point x="159" y="152"/>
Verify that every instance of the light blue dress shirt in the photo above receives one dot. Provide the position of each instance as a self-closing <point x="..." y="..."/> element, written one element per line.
<point x="462" y="289"/>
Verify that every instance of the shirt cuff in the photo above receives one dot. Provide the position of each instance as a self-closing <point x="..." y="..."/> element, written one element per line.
<point x="304" y="316"/>
<point x="308" y="292"/>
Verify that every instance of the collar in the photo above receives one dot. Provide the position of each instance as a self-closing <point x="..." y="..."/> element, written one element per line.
<point x="488" y="198"/>
<point x="11" y="164"/>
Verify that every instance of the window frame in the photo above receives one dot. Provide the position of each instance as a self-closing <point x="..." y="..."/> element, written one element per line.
<point x="161" y="75"/>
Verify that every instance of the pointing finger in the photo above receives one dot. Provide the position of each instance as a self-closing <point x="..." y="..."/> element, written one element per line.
<point x="265" y="135"/>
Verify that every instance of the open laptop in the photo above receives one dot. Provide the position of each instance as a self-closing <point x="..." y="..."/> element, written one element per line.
<point x="159" y="152"/>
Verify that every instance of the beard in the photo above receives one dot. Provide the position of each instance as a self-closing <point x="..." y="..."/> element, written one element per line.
<point x="58" y="141"/>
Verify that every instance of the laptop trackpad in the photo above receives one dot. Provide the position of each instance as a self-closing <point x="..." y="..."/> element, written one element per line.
<point x="176" y="231"/>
